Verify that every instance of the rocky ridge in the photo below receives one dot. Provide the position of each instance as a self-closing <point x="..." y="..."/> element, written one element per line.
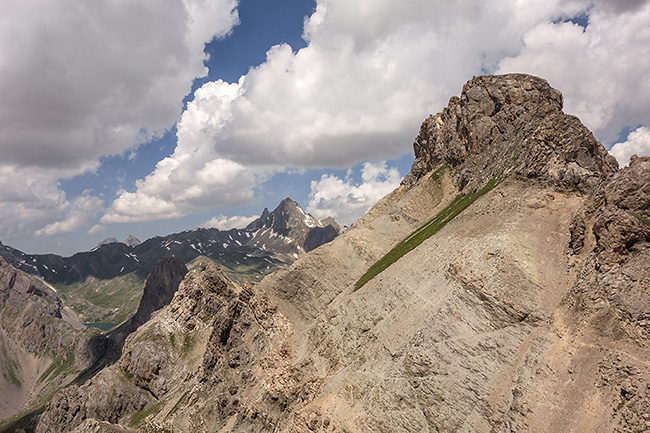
<point x="210" y="335"/>
<point x="275" y="239"/>
<point x="130" y="241"/>
<point x="38" y="337"/>
<point x="526" y="312"/>
<point x="506" y="125"/>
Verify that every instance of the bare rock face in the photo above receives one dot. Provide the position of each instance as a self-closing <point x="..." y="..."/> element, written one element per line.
<point x="623" y="225"/>
<point x="510" y="124"/>
<point x="214" y="340"/>
<point x="20" y="292"/>
<point x="36" y="332"/>
<point x="107" y="398"/>
<point x="612" y="293"/>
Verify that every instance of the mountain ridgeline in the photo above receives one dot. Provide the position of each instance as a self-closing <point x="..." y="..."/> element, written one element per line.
<point x="510" y="292"/>
<point x="275" y="239"/>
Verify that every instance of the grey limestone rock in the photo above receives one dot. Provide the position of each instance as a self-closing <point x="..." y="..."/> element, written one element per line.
<point x="510" y="124"/>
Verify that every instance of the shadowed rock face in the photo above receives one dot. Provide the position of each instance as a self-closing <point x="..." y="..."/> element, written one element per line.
<point x="527" y="312"/>
<point x="159" y="289"/>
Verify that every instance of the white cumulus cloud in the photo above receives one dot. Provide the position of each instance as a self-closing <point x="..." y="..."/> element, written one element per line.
<point x="75" y="214"/>
<point x="30" y="203"/>
<point x="371" y="72"/>
<point x="602" y="70"/>
<point x="637" y="143"/>
<point x="346" y="200"/>
<point x="86" y="79"/>
<point x="80" y="80"/>
<point x="222" y="222"/>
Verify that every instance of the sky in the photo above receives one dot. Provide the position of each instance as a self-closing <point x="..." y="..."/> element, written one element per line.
<point x="123" y="117"/>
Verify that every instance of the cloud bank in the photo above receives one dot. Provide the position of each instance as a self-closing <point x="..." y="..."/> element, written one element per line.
<point x="602" y="70"/>
<point x="637" y="143"/>
<point x="81" y="80"/>
<point x="222" y="222"/>
<point x="372" y="70"/>
<point x="346" y="200"/>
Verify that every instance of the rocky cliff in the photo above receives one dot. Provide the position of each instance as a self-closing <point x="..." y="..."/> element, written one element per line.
<point x="38" y="337"/>
<point x="525" y="308"/>
<point x="506" y="125"/>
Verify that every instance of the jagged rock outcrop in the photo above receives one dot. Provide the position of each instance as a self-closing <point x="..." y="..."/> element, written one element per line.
<point x="510" y="124"/>
<point x="111" y="399"/>
<point x="159" y="289"/>
<point x="528" y="311"/>
<point x="213" y="335"/>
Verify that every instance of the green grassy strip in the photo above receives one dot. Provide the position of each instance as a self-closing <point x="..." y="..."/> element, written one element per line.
<point x="460" y="203"/>
<point x="23" y="421"/>
<point x="58" y="366"/>
<point x="9" y="372"/>
<point x="436" y="176"/>
<point x="641" y="218"/>
<point x="140" y="415"/>
<point x="177" y="405"/>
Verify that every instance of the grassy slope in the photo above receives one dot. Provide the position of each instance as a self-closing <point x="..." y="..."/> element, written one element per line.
<point x="95" y="300"/>
<point x="460" y="203"/>
<point x="252" y="273"/>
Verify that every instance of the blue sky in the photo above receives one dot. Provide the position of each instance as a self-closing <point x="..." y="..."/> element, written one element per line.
<point x="113" y="121"/>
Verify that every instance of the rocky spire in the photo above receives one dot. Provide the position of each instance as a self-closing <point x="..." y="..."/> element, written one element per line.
<point x="510" y="124"/>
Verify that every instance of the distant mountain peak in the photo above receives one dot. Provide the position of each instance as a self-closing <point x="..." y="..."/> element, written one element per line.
<point x="130" y="241"/>
<point x="107" y="241"/>
<point x="287" y="218"/>
<point x="297" y="227"/>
